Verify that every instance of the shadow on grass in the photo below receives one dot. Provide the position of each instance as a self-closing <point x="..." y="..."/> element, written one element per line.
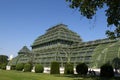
<point x="86" y="77"/>
<point x="103" y="78"/>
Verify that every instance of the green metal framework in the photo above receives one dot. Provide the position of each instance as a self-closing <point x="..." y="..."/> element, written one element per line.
<point x="54" y="45"/>
<point x="24" y="56"/>
<point x="63" y="45"/>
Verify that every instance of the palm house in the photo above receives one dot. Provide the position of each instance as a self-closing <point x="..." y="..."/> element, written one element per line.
<point x="63" y="45"/>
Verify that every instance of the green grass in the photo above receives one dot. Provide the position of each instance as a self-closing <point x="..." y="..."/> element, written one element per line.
<point x="17" y="75"/>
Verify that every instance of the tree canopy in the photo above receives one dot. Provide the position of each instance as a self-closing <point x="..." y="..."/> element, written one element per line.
<point x="3" y="59"/>
<point x="88" y="8"/>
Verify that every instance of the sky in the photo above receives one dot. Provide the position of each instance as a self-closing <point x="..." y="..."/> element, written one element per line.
<point x="22" y="21"/>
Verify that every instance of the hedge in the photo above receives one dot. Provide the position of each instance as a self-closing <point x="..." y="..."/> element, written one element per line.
<point x="69" y="69"/>
<point x="3" y="66"/>
<point x="13" y="67"/>
<point x="106" y="71"/>
<point x="19" y="67"/>
<point x="55" y="68"/>
<point x="82" y="68"/>
<point x="27" y="67"/>
<point x="39" y="68"/>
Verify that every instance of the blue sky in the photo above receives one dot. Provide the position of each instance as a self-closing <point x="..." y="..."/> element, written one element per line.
<point x="22" y="21"/>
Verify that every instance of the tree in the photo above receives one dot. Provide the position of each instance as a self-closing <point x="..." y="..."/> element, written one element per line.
<point x="88" y="8"/>
<point x="3" y="59"/>
<point x="116" y="63"/>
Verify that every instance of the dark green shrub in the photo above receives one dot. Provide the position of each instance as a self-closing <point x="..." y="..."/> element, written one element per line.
<point x="69" y="69"/>
<point x="13" y="67"/>
<point x="39" y="68"/>
<point x="19" y="67"/>
<point x="82" y="68"/>
<point x="27" y="67"/>
<point x="106" y="71"/>
<point x="3" y="66"/>
<point x="0" y="66"/>
<point x="55" y="68"/>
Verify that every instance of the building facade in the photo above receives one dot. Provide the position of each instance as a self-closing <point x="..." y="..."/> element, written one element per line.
<point x="63" y="45"/>
<point x="24" y="56"/>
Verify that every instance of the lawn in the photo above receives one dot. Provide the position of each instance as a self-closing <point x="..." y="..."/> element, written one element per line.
<point x="16" y="75"/>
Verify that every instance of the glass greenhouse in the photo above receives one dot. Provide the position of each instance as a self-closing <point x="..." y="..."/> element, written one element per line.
<point x="63" y="45"/>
